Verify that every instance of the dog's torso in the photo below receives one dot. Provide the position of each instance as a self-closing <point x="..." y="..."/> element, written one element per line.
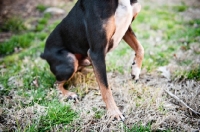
<point x="71" y="34"/>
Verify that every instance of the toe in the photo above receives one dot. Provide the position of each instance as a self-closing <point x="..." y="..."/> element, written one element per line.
<point x="73" y="97"/>
<point x="133" y="76"/>
<point x="118" y="117"/>
<point x="122" y="117"/>
<point x="69" y="98"/>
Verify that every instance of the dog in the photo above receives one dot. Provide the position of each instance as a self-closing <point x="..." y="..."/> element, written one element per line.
<point x="84" y="37"/>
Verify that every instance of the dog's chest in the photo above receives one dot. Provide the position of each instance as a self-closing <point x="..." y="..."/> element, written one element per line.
<point x="123" y="18"/>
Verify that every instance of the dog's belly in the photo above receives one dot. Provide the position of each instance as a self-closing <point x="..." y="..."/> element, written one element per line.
<point x="123" y="18"/>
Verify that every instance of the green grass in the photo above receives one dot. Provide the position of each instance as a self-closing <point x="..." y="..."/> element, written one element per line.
<point x="57" y="114"/>
<point x="41" y="7"/>
<point x="25" y="40"/>
<point x="42" y="23"/>
<point x="143" y="128"/>
<point x="180" y="8"/>
<point x="139" y="128"/>
<point x="13" y="24"/>
<point x="98" y="113"/>
<point x="20" y="77"/>
<point x="16" y="41"/>
<point x="116" y="59"/>
<point x="161" y="23"/>
<point x="194" y="73"/>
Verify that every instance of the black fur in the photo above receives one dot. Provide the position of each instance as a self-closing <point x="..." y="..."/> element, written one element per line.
<point x="78" y="32"/>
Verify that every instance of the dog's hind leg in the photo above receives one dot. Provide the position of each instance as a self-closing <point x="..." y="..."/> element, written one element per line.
<point x="132" y="41"/>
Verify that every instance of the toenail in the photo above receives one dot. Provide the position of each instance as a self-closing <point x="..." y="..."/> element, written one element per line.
<point x="69" y="98"/>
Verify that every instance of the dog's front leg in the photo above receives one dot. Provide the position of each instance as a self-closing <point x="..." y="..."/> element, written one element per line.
<point x="132" y="41"/>
<point x="99" y="66"/>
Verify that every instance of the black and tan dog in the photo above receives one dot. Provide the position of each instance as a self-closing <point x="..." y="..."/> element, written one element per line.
<point x="90" y="30"/>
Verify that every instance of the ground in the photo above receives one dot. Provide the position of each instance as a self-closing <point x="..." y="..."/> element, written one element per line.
<point x="166" y="98"/>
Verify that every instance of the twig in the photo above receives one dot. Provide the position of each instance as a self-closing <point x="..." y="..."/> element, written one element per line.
<point x="183" y="103"/>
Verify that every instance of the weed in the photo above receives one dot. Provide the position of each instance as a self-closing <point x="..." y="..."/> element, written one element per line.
<point x="42" y="22"/>
<point x="139" y="128"/>
<point x="180" y="8"/>
<point x="13" y="24"/>
<point x="41" y="7"/>
<point x="47" y="16"/>
<point x="4" y="82"/>
<point x="39" y="27"/>
<point x="194" y="73"/>
<point x="98" y="113"/>
<point x="193" y="22"/>
<point x="57" y="114"/>
<point x="17" y="41"/>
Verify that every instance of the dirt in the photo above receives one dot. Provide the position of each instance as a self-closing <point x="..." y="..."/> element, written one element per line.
<point x="143" y="102"/>
<point x="25" y="10"/>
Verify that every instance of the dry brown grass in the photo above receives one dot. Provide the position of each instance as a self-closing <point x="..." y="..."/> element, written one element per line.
<point x="145" y="102"/>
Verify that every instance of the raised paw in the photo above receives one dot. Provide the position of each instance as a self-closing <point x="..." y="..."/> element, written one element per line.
<point x="135" y="71"/>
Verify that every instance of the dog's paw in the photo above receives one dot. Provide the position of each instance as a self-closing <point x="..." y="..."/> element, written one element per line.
<point x="116" y="115"/>
<point x="135" y="71"/>
<point x="72" y="96"/>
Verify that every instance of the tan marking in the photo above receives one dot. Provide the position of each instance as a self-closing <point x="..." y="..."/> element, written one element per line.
<point x="107" y="97"/>
<point x="112" y="109"/>
<point x="65" y="92"/>
<point x="75" y="61"/>
<point x="109" y="27"/>
<point x="135" y="16"/>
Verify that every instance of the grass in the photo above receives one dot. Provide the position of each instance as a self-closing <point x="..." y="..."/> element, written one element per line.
<point x="180" y="8"/>
<point x="29" y="68"/>
<point x="162" y="36"/>
<point x="171" y="30"/>
<point x="41" y="7"/>
<point x="15" y="42"/>
<point x="24" y="40"/>
<point x="98" y="113"/>
<point x="57" y="114"/>
<point x="194" y="73"/>
<point x="13" y="24"/>
<point x="139" y="128"/>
